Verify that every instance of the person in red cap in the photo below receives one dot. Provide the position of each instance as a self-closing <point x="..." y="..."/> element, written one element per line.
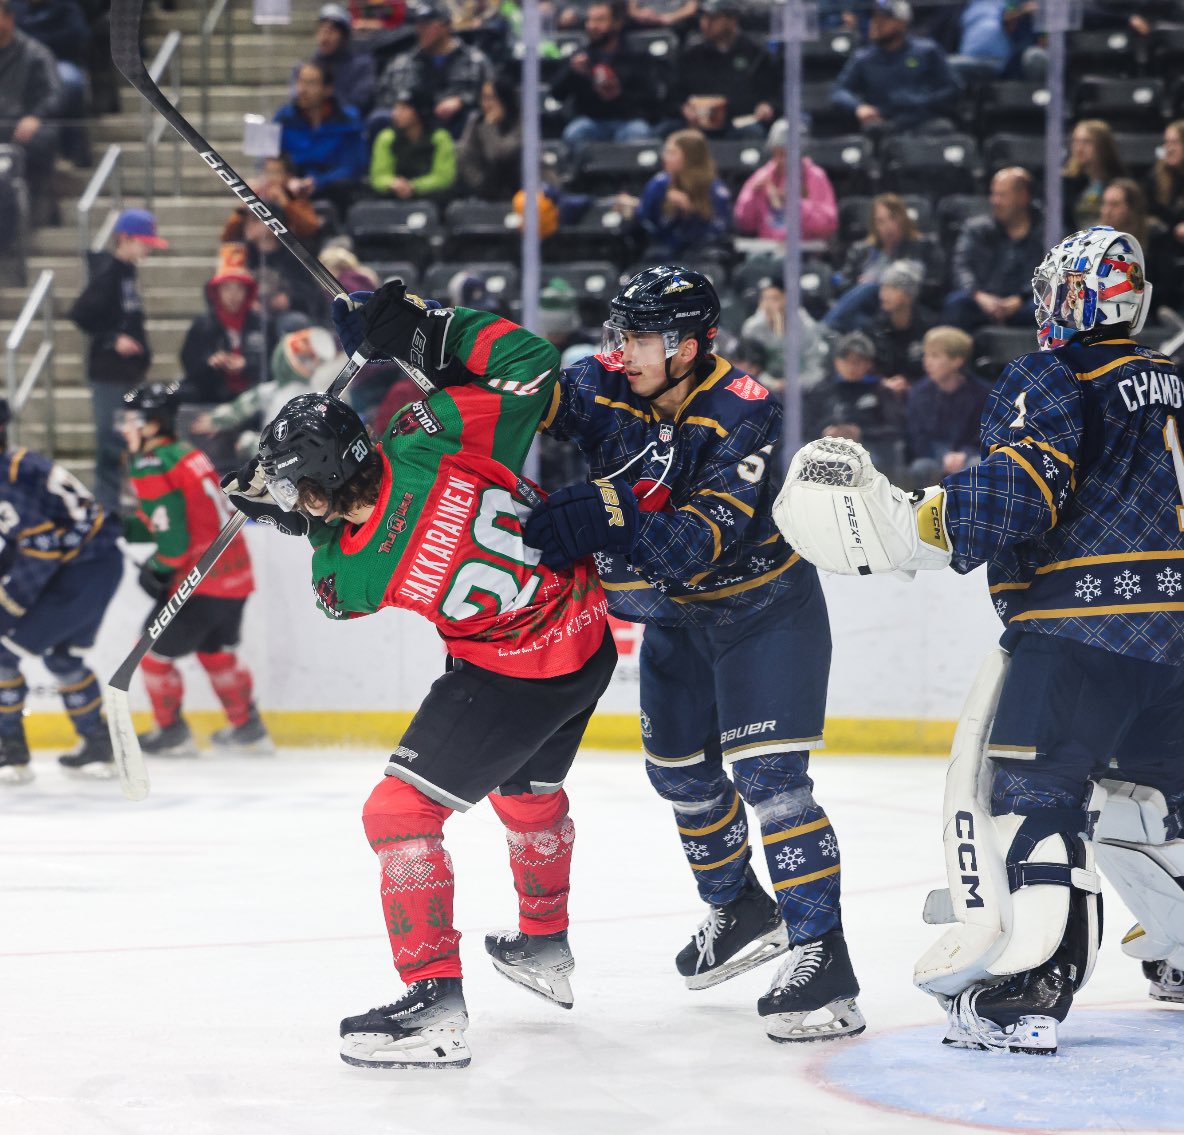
<point x="110" y="311"/>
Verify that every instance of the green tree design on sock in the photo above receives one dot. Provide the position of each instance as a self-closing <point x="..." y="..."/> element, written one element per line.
<point x="397" y="922"/>
<point x="531" y="885"/>
<point x="438" y="913"/>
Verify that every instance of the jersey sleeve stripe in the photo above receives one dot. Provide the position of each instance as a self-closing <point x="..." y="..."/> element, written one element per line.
<point x="735" y="502"/>
<point x="601" y="400"/>
<point x="716" y="537"/>
<point x="710" y="423"/>
<point x="1041" y="484"/>
<point x="1092" y="374"/>
<point x="478" y="359"/>
<point x="553" y="409"/>
<point x="15" y="464"/>
<point x="736" y="588"/>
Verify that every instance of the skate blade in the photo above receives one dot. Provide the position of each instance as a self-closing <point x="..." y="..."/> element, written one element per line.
<point x="265" y="748"/>
<point x="16" y="774"/>
<point x="551" y="986"/>
<point x="1029" y="1036"/>
<point x="793" y="1028"/>
<point x="770" y="945"/>
<point x="1167" y="996"/>
<point x="431" y="1048"/>
<point x="177" y="753"/>
<point x="96" y="770"/>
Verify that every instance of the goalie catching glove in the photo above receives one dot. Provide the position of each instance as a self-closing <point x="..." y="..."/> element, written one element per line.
<point x="843" y="515"/>
<point x="248" y="492"/>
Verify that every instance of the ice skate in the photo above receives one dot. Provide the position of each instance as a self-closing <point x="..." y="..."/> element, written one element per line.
<point x="250" y="737"/>
<point x="1018" y="1014"/>
<point x="1167" y="983"/>
<point x="169" y="741"/>
<point x="14" y="759"/>
<point x="423" y="1029"/>
<point x="733" y="939"/>
<point x="815" y="977"/>
<point x="91" y="757"/>
<point x="541" y="963"/>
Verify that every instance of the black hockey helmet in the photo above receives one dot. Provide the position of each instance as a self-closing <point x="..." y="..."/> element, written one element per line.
<point x="156" y="402"/>
<point x="315" y="436"/>
<point x="668" y="299"/>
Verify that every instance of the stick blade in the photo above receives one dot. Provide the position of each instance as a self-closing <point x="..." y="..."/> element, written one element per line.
<point x="129" y="760"/>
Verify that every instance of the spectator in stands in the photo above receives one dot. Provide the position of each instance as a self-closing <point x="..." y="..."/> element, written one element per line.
<point x="377" y="15"/>
<point x="898" y="81"/>
<point x="752" y="357"/>
<point x="1124" y="207"/>
<point x="728" y="85"/>
<point x="222" y="354"/>
<point x="994" y="256"/>
<point x="353" y="275"/>
<point x="1092" y="164"/>
<point x="352" y="69"/>
<point x="853" y="404"/>
<point x="1165" y="203"/>
<point x="61" y="26"/>
<point x="678" y="15"/>
<point x="685" y="209"/>
<point x="766" y="326"/>
<point x="943" y="411"/>
<point x="760" y="206"/>
<point x="442" y="68"/>
<point x="892" y="236"/>
<point x="272" y="185"/>
<point x="30" y="100"/>
<point x="489" y="155"/>
<point x="488" y="24"/>
<point x="413" y="157"/>
<point x="322" y="139"/>
<point x="110" y="312"/>
<point x="606" y="81"/>
<point x="900" y="325"/>
<point x="289" y="298"/>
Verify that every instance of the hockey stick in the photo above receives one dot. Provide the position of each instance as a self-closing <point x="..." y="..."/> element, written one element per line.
<point x="126" y="17"/>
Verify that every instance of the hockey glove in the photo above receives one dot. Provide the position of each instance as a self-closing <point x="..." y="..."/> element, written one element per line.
<point x="156" y="582"/>
<point x="581" y="519"/>
<point x="247" y="490"/>
<point x="347" y="319"/>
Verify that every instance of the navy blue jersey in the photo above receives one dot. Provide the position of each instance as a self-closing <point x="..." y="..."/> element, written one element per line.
<point x="1078" y="504"/>
<point x="47" y="519"/>
<point x="707" y="549"/>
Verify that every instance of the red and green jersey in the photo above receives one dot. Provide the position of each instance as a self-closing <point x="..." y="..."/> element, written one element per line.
<point x="445" y="539"/>
<point x="181" y="510"/>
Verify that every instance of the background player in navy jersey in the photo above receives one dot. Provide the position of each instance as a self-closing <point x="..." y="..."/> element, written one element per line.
<point x="59" y="567"/>
<point x="1071" y="745"/>
<point x="678" y="518"/>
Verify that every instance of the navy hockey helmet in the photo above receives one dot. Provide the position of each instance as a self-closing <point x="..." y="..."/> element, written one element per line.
<point x="156" y="402"/>
<point x="670" y="301"/>
<point x="315" y="436"/>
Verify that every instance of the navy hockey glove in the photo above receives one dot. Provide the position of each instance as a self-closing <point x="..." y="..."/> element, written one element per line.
<point x="248" y="493"/>
<point x="582" y="519"/>
<point x="347" y="319"/>
<point x="156" y="582"/>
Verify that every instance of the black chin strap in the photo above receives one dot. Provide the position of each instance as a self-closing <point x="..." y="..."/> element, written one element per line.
<point x="697" y="367"/>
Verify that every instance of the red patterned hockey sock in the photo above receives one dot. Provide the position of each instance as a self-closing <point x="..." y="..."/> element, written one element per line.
<point x="406" y="830"/>
<point x="165" y="689"/>
<point x="540" y="836"/>
<point x="232" y="683"/>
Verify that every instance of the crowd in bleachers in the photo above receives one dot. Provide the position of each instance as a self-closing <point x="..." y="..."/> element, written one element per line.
<point x="664" y="139"/>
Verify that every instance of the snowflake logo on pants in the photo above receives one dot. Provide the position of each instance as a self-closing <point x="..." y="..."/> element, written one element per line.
<point x="695" y="851"/>
<point x="829" y="846"/>
<point x="790" y="858"/>
<point x="1088" y="588"/>
<point x="734" y="836"/>
<point x="1168" y="581"/>
<point x="1127" y="585"/>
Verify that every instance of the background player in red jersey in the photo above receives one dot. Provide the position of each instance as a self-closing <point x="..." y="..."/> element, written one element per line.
<point x="181" y="510"/>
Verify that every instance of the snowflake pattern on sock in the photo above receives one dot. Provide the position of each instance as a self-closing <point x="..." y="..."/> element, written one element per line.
<point x="1127" y="584"/>
<point x="1168" y="582"/>
<point x="829" y="846"/>
<point x="790" y="858"/>
<point x="734" y="836"/>
<point x="694" y="851"/>
<point x="1088" y="588"/>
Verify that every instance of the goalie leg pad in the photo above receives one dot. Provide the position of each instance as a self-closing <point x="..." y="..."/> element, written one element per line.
<point x="406" y="831"/>
<point x="540" y="837"/>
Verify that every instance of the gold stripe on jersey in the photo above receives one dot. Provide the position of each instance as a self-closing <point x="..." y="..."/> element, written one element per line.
<point x="736" y="588"/>
<point x="710" y="423"/>
<point x="1155" y="360"/>
<point x="1009" y="586"/>
<point x="15" y="464"/>
<point x="721" y="368"/>
<point x="1041" y="483"/>
<point x="1111" y="558"/>
<point x="552" y="410"/>
<point x="625" y="586"/>
<point x="716" y="536"/>
<point x="1115" y="609"/>
<point x="719" y="824"/>
<point x="735" y="502"/>
<point x="601" y="400"/>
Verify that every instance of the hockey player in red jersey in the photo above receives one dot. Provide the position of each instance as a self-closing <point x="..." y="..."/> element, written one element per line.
<point x="430" y="519"/>
<point x="181" y="510"/>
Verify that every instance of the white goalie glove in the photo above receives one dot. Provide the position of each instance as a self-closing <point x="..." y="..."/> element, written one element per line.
<point x="843" y="515"/>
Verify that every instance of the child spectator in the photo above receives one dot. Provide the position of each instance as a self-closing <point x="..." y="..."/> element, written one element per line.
<point x="854" y="404"/>
<point x="900" y="325"/>
<point x="1093" y="163"/>
<point x="766" y="327"/>
<point x="686" y="208"/>
<point x="943" y="410"/>
<point x="412" y="157"/>
<point x="760" y="206"/>
<point x="489" y="154"/>
<point x="300" y="217"/>
<point x="351" y="273"/>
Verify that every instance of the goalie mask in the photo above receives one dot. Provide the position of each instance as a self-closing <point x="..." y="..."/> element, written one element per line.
<point x="315" y="436"/>
<point x="1091" y="279"/>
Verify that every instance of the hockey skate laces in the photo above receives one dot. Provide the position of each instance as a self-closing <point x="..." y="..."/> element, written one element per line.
<point x="706" y="935"/>
<point x="801" y="963"/>
<point x="964" y="1014"/>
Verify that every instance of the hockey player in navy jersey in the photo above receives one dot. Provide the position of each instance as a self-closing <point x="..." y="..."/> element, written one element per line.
<point x="1070" y="751"/>
<point x="59" y="567"/>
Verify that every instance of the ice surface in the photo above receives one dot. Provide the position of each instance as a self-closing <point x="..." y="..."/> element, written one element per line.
<point x="180" y="966"/>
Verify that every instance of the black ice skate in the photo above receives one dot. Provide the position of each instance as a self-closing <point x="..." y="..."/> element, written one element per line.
<point x="541" y="963"/>
<point x="169" y="741"/>
<point x="1167" y="983"/>
<point x="250" y="737"/>
<point x="733" y="939"/>
<point x="1018" y="1014"/>
<point x="816" y="976"/>
<point x="423" y="1029"/>
<point x="91" y="757"/>
<point x="14" y="759"/>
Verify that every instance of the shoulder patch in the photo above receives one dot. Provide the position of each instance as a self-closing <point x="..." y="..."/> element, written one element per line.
<point x="748" y="389"/>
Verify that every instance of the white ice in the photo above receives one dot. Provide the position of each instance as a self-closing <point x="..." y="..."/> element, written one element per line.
<point x="180" y="966"/>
